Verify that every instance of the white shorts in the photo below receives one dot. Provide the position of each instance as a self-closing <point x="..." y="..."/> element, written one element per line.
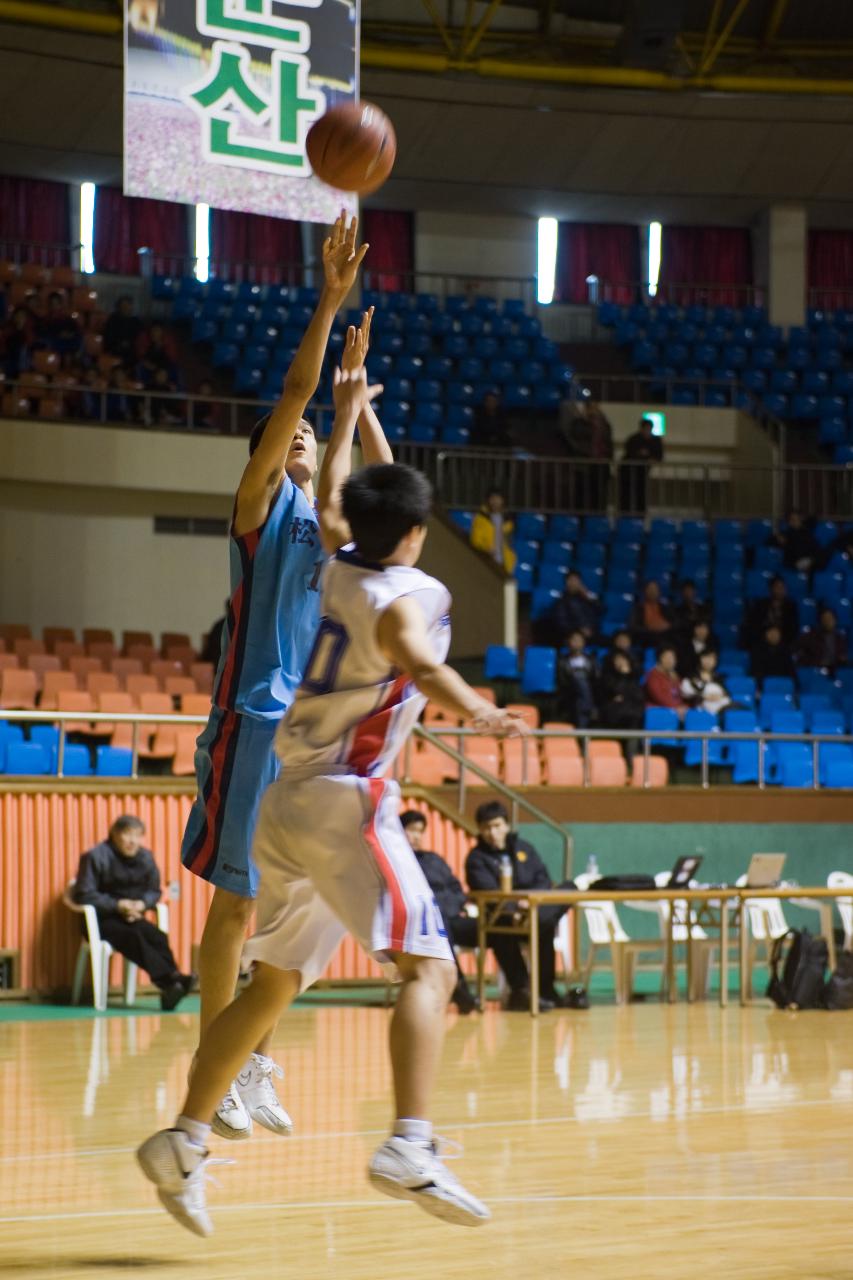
<point x="333" y="858"/>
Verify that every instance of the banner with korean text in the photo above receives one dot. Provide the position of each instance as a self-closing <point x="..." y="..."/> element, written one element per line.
<point x="220" y="95"/>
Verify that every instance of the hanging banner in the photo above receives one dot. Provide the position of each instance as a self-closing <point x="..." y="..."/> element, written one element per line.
<point x="219" y="96"/>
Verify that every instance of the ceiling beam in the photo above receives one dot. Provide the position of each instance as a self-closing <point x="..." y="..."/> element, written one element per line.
<point x="439" y="26"/>
<point x="720" y="43"/>
<point x="485" y="22"/>
<point x="774" y="22"/>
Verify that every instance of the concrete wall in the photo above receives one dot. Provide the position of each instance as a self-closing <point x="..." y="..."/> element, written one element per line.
<point x="485" y="606"/>
<point x="473" y="245"/>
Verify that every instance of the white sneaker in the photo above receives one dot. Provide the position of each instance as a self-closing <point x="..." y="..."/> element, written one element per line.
<point x="176" y="1166"/>
<point x="257" y="1094"/>
<point x="231" y="1119"/>
<point x="413" y="1171"/>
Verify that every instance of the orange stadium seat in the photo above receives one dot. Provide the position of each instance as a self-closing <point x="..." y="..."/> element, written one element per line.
<point x="431" y="767"/>
<point x="93" y="344"/>
<point x="12" y="631"/>
<point x="485" y="753"/>
<point x="185" y="654"/>
<point x="174" y="640"/>
<point x="202" y="673"/>
<point x="485" y="691"/>
<point x="658" y="771"/>
<point x="563" y="769"/>
<point x="156" y="741"/>
<point x="513" y="762"/>
<point x="45" y="362"/>
<point x="34" y="273"/>
<point x="162" y="668"/>
<point x="604" y="748"/>
<point x="52" y="407"/>
<point x="145" y="653"/>
<point x="26" y="647"/>
<point x="33" y="385"/>
<point x="183" y="763"/>
<point x="103" y="650"/>
<point x="607" y="771"/>
<point x="83" y="299"/>
<point x="65" y="650"/>
<point x="124" y="667"/>
<point x="98" y="635"/>
<point x="177" y="686"/>
<point x="195" y="704"/>
<point x="8" y="272"/>
<point x="41" y="664"/>
<point x="124" y="704"/>
<point x="76" y="700"/>
<point x="129" y="638"/>
<point x="436" y="717"/>
<point x="83" y="668"/>
<point x="98" y="682"/>
<point x="56" y="682"/>
<point x="18" y="689"/>
<point x="528" y="713"/>
<point x="9" y="661"/>
<point x="65" y="278"/>
<point x="54" y="635"/>
<point x="137" y="685"/>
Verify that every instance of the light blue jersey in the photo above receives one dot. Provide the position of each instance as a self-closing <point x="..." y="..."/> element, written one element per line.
<point x="274" y="609"/>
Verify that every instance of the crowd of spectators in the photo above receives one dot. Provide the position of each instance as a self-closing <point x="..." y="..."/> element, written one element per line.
<point x="608" y="681"/>
<point x="58" y="361"/>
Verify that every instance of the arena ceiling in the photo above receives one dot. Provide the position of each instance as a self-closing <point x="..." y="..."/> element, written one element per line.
<point x="612" y="110"/>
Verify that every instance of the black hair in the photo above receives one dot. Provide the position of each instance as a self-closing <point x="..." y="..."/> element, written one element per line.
<point x="128" y="822"/>
<point x="411" y="816"/>
<point x="687" y="582"/>
<point x="257" y="431"/>
<point x="646" y="420"/>
<point x="666" y="647"/>
<point x="489" y="811"/>
<point x="383" y="503"/>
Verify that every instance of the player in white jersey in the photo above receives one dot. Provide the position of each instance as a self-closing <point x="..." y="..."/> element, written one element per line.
<point x="329" y="845"/>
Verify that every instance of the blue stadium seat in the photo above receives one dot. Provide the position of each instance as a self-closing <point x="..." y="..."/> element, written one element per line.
<point x="837" y="771"/>
<point x="555" y="551"/>
<point x="539" y="671"/>
<point x="459" y="415"/>
<point x="530" y="524"/>
<point x="551" y="576"/>
<point x="795" y="765"/>
<point x="517" y="396"/>
<point x="623" y="580"/>
<point x="781" y="686"/>
<point x="248" y="380"/>
<point x="27" y="759"/>
<point x="395" y="412"/>
<point x="542" y="601"/>
<point x="428" y="389"/>
<point x="563" y="528"/>
<point x="163" y="286"/>
<point x="741" y="688"/>
<point x="625" y="555"/>
<point x="592" y="554"/>
<point x="464" y="519"/>
<point x="524" y="577"/>
<point x="662" y="718"/>
<point x="527" y="549"/>
<point x="804" y="408"/>
<point x="428" y="413"/>
<point x="545" y="397"/>
<point x="76" y="762"/>
<point x="787" y="720"/>
<point x="471" y="368"/>
<point x="422" y="433"/>
<point x="815" y="382"/>
<point x="617" y="610"/>
<point x="500" y="327"/>
<point x="698" y="721"/>
<point x="486" y="347"/>
<point x="400" y="388"/>
<point x="459" y="437"/>
<point x="597" y="528"/>
<point x="501" y="370"/>
<point x="460" y="393"/>
<point x="630" y="529"/>
<point x="500" y="663"/>
<point x="46" y="735"/>
<point x="776" y="405"/>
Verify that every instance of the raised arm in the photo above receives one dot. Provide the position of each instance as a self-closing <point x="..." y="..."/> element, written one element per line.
<point x="374" y="446"/>
<point x="262" y="476"/>
<point x="351" y="393"/>
<point x="404" y="639"/>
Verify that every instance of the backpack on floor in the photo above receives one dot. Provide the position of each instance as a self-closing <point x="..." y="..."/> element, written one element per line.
<point x="839" y="989"/>
<point x="798" y="965"/>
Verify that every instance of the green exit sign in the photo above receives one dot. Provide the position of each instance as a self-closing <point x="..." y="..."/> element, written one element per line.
<point x="658" y="421"/>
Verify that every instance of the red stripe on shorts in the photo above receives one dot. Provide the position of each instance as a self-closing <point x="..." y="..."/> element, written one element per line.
<point x="370" y="735"/>
<point x="399" y="914"/>
<point x="215" y="797"/>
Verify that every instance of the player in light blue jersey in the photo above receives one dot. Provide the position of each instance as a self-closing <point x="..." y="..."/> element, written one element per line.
<point x="277" y="553"/>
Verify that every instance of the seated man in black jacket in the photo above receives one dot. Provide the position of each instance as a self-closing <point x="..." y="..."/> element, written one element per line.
<point x="483" y="871"/>
<point x="461" y="928"/>
<point x="121" y="881"/>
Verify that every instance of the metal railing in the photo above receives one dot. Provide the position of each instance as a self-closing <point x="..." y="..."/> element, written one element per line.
<point x="439" y="738"/>
<point x="649" y="738"/>
<point x="626" y="292"/>
<point x="22" y="252"/>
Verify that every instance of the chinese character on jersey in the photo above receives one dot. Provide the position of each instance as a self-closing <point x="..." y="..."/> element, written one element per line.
<point x="236" y="96"/>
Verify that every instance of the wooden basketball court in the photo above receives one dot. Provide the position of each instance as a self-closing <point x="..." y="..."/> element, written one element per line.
<point x="643" y="1141"/>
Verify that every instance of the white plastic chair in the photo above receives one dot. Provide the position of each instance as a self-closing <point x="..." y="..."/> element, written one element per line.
<point x="703" y="946"/>
<point x="765" y="920"/>
<point x="607" y="933"/>
<point x="98" y="952"/>
<point x="843" y="880"/>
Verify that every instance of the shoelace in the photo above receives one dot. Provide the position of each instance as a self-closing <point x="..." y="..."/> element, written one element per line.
<point x="267" y="1069"/>
<point x="231" y="1101"/>
<point x="202" y="1175"/>
<point x="444" y="1148"/>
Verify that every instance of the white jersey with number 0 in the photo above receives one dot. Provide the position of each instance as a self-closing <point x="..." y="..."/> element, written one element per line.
<point x="353" y="711"/>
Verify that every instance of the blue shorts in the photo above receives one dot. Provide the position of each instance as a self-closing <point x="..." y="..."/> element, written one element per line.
<point x="234" y="765"/>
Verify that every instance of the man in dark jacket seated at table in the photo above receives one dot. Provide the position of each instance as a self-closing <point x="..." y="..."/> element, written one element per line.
<point x="121" y="881"/>
<point x="483" y="871"/>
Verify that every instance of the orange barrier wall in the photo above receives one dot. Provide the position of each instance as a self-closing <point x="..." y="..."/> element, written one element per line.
<point x="41" y="838"/>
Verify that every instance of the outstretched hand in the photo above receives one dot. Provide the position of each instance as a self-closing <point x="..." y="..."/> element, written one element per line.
<point x="341" y="259"/>
<point x="357" y="343"/>
<point x="351" y="393"/>
<point x="499" y="723"/>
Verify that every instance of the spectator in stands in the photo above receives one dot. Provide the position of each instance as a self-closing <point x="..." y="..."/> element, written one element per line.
<point x="120" y="879"/>
<point x="483" y="871"/>
<point x="577" y="609"/>
<point x="450" y="899"/>
<point x="57" y="327"/>
<point x="705" y="689"/>
<point x="798" y="543"/>
<point x="825" y="645"/>
<point x="17" y="338"/>
<point x="771" y="656"/>
<point x="842" y="546"/>
<point x="620" y="647"/>
<point x="156" y="351"/>
<point x="121" y="331"/>
<point x="576" y="676"/>
<point x="663" y="683"/>
<point x="491" y="428"/>
<point x="775" y="610"/>
<point x="90" y="401"/>
<point x="621" y="700"/>
<point x="589" y="438"/>
<point x="163" y="412"/>
<point x="688" y="609"/>
<point x="491" y="531"/>
<point x="650" y="619"/>
<point x="642" y="450"/>
<point x="206" y="411"/>
<point x="691" y="648"/>
<point x="120" y="406"/>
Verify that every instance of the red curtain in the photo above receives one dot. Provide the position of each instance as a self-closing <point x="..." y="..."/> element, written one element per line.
<point x="610" y="251"/>
<point x="254" y="246"/>
<point x="706" y="265"/>
<point x="830" y="268"/>
<point x="125" y="224"/>
<point x="34" y="214"/>
<point x="390" y="264"/>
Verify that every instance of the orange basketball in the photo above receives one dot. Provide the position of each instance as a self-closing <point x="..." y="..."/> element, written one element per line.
<point x="353" y="147"/>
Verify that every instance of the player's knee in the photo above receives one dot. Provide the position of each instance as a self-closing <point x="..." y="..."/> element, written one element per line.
<point x="440" y="974"/>
<point x="231" y="909"/>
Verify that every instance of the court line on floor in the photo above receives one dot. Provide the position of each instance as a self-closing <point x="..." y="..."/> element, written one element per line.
<point x="468" y="1126"/>
<point x="300" y="1206"/>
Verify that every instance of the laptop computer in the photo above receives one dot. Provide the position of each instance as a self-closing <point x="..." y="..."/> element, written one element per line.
<point x="765" y="870"/>
<point x="684" y="871"/>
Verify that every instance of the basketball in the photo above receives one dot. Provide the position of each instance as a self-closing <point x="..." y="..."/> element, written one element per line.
<point x="353" y="147"/>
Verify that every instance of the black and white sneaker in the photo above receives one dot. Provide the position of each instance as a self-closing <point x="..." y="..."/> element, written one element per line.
<point x="176" y="1166"/>
<point x="413" y="1171"/>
